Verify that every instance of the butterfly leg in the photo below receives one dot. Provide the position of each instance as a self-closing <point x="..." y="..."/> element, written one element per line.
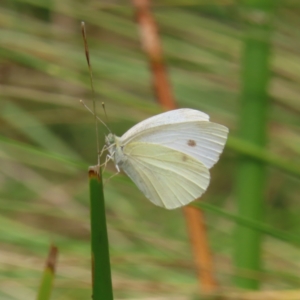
<point x="106" y="181"/>
<point x="107" y="159"/>
<point x="104" y="148"/>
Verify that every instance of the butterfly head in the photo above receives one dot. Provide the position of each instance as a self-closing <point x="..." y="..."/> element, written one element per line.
<point x="109" y="139"/>
<point x="110" y="142"/>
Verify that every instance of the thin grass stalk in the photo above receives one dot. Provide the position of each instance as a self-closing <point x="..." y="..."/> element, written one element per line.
<point x="101" y="273"/>
<point x="194" y="217"/>
<point x="46" y="285"/>
<point x="251" y="174"/>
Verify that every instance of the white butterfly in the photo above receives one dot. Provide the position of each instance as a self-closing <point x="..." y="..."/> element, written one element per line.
<point x="168" y="156"/>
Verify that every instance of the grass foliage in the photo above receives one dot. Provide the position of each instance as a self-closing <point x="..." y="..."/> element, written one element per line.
<point x="47" y="142"/>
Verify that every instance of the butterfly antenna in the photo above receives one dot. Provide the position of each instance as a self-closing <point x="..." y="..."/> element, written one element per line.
<point x="87" y="55"/>
<point x="103" y="106"/>
<point x="83" y="103"/>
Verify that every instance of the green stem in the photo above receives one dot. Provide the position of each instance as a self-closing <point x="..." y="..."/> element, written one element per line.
<point x="46" y="286"/>
<point x="101" y="274"/>
<point x="254" y="106"/>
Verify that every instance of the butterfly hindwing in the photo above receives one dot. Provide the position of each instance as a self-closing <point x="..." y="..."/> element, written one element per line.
<point x="167" y="177"/>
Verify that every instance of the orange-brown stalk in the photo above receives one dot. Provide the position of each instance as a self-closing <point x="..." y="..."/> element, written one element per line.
<point x="194" y="217"/>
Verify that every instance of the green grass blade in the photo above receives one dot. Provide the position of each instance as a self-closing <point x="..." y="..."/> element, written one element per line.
<point x="48" y="276"/>
<point x="20" y="149"/>
<point x="254" y="107"/>
<point x="265" y="156"/>
<point x="35" y="130"/>
<point x="101" y="274"/>
<point x="250" y="223"/>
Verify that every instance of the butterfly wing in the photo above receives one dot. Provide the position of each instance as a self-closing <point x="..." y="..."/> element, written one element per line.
<point x="167" y="177"/>
<point x="202" y="140"/>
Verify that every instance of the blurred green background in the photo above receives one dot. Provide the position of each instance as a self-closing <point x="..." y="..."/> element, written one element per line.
<point x="47" y="142"/>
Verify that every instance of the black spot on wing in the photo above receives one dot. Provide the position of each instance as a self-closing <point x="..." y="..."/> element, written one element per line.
<point x="191" y="143"/>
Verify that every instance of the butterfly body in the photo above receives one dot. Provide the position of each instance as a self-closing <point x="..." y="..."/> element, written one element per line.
<point x="115" y="149"/>
<point x="168" y="156"/>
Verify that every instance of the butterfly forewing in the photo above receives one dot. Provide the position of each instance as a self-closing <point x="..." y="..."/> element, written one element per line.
<point x="176" y="116"/>
<point x="167" y="177"/>
<point x="200" y="139"/>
